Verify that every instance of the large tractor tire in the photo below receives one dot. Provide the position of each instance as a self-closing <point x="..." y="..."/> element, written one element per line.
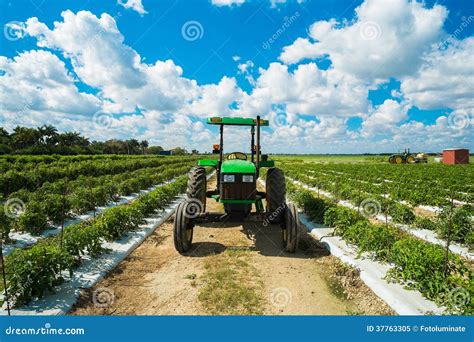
<point x="398" y="160"/>
<point x="391" y="159"/>
<point x="183" y="228"/>
<point x="196" y="190"/>
<point x="411" y="160"/>
<point x="290" y="228"/>
<point x="276" y="194"/>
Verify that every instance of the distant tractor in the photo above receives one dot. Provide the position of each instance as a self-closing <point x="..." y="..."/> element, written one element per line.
<point x="237" y="179"/>
<point x="408" y="158"/>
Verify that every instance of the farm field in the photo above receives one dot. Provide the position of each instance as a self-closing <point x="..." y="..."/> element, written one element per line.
<point x="59" y="209"/>
<point x="403" y="215"/>
<point x="66" y="212"/>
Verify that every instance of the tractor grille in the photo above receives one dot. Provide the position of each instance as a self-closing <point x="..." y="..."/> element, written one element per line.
<point x="238" y="189"/>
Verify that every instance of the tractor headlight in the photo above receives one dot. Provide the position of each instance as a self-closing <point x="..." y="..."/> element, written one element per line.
<point x="229" y="178"/>
<point x="247" y="178"/>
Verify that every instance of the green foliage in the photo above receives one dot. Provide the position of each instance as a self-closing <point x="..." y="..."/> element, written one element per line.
<point x="421" y="266"/>
<point x="424" y="223"/>
<point x="368" y="237"/>
<point x="341" y="218"/>
<point x="33" y="219"/>
<point x="33" y="271"/>
<point x="401" y="213"/>
<point x="458" y="221"/>
<point x="415" y="263"/>
<point x="315" y="208"/>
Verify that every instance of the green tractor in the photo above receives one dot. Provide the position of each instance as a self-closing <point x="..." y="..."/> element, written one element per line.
<point x="237" y="190"/>
<point x="402" y="158"/>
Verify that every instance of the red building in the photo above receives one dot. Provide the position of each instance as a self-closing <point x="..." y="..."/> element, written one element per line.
<point x="456" y="156"/>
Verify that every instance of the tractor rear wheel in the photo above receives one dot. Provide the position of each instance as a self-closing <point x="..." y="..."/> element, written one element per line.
<point x="391" y="160"/>
<point x="290" y="228"/>
<point x="398" y="160"/>
<point x="196" y="190"/>
<point x="183" y="228"/>
<point x="276" y="194"/>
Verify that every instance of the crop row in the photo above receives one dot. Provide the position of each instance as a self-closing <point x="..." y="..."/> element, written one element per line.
<point x="33" y="271"/>
<point x="455" y="222"/>
<point x="56" y="202"/>
<point x="32" y="178"/>
<point x="19" y="162"/>
<point x="415" y="263"/>
<point x="416" y="184"/>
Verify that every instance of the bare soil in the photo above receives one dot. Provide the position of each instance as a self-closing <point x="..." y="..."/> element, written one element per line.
<point x="233" y="268"/>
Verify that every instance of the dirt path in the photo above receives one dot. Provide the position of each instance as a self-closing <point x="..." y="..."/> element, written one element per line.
<point x="236" y="269"/>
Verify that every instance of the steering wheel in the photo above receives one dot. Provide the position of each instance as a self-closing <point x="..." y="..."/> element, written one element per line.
<point x="236" y="155"/>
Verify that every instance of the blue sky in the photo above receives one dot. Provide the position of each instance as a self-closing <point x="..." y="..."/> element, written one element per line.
<point x="332" y="76"/>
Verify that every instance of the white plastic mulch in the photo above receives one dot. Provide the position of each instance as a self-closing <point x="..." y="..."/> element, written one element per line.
<point x="23" y="239"/>
<point x="92" y="270"/>
<point x="424" y="234"/>
<point x="372" y="273"/>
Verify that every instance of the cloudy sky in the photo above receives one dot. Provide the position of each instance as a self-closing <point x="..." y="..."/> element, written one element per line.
<point x="331" y="76"/>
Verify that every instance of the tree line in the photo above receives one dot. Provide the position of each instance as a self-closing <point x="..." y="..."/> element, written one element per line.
<point x="48" y="140"/>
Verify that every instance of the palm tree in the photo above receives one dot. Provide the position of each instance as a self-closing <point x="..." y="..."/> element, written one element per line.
<point x="49" y="135"/>
<point x="23" y="137"/>
<point x="143" y="145"/>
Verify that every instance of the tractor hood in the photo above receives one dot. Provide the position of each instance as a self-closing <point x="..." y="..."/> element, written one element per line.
<point x="237" y="166"/>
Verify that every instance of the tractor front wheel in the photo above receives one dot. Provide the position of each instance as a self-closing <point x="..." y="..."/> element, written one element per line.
<point x="183" y="228"/>
<point x="290" y="228"/>
<point x="196" y="190"/>
<point x="276" y="194"/>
